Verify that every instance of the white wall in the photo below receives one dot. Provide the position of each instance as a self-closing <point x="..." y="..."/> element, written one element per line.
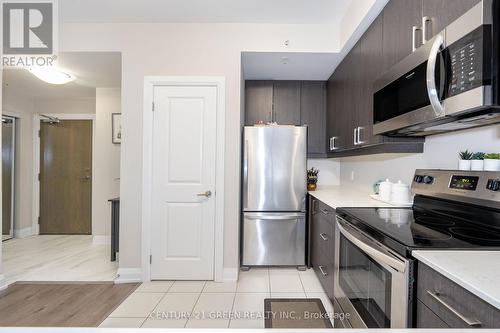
<point x="106" y="184"/>
<point x="185" y="49"/>
<point x="441" y="151"/>
<point x="329" y="170"/>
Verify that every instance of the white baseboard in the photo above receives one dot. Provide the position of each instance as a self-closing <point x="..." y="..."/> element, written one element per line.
<point x="230" y="274"/>
<point x="3" y="282"/>
<point x="101" y="240"/>
<point x="24" y="233"/>
<point x="128" y="275"/>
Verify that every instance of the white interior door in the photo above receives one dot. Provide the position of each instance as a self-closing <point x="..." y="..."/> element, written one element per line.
<point x="184" y="167"/>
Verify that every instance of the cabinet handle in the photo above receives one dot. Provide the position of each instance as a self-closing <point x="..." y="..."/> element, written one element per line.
<point x="360" y="142"/>
<point x="333" y="143"/>
<point x="323" y="236"/>
<point x="323" y="271"/>
<point x="414" y="30"/>
<point x="314" y="205"/>
<point x="465" y="319"/>
<point x="356" y="136"/>
<point x="425" y="20"/>
<point x="326" y="212"/>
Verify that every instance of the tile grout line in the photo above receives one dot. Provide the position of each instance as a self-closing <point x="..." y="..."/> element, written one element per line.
<point x="194" y="306"/>
<point x="302" y="284"/>
<point x="232" y="310"/>
<point x="156" y="305"/>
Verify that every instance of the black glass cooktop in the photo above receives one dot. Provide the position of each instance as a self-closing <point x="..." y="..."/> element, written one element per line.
<point x="431" y="225"/>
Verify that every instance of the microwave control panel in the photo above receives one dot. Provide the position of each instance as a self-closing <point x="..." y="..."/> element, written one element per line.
<point x="465" y="58"/>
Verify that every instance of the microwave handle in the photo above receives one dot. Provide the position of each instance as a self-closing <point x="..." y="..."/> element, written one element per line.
<point x="437" y="46"/>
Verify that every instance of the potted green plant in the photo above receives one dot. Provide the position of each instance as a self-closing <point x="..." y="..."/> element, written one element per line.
<point x="492" y="162"/>
<point x="477" y="161"/>
<point x="464" y="161"/>
<point x="312" y="179"/>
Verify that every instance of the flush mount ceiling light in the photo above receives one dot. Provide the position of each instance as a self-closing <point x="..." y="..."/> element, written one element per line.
<point x="51" y="75"/>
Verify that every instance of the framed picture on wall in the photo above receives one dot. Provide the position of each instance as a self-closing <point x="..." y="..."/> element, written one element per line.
<point x="116" y="121"/>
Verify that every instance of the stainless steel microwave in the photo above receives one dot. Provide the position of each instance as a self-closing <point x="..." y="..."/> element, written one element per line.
<point x="449" y="83"/>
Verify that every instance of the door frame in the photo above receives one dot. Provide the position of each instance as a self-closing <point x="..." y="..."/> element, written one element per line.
<point x="36" y="160"/>
<point x="219" y="82"/>
<point x="14" y="154"/>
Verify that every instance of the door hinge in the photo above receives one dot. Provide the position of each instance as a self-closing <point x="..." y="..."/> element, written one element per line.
<point x="38" y="219"/>
<point x="150" y="259"/>
<point x="39" y="176"/>
<point x="39" y="135"/>
<point x="153" y="106"/>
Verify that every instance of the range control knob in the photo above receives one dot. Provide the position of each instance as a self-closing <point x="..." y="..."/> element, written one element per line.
<point x="428" y="180"/>
<point x="493" y="185"/>
<point x="418" y="179"/>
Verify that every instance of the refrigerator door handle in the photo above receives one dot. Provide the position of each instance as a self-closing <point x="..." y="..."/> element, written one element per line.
<point x="245" y="175"/>
<point x="275" y="216"/>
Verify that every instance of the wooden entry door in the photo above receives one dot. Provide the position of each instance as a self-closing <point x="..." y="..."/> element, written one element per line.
<point x="183" y="177"/>
<point x="66" y="177"/>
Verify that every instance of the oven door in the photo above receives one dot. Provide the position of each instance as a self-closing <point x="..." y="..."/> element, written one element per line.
<point x="371" y="283"/>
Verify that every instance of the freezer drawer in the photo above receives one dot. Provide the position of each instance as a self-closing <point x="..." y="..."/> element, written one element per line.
<point x="274" y="239"/>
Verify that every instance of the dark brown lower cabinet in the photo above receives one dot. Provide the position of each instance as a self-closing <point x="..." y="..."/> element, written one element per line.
<point x="321" y="238"/>
<point x="441" y="301"/>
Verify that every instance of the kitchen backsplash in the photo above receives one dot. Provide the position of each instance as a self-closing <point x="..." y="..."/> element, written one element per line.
<point x="440" y="152"/>
<point x="329" y="170"/>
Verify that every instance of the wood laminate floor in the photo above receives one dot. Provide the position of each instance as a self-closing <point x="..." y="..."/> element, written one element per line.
<point x="57" y="258"/>
<point x="47" y="304"/>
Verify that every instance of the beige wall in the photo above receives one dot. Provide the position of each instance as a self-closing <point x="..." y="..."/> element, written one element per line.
<point x="441" y="151"/>
<point x="106" y="184"/>
<point x="185" y="49"/>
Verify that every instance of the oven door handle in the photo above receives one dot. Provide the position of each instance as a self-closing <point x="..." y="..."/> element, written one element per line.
<point x="437" y="46"/>
<point x="386" y="258"/>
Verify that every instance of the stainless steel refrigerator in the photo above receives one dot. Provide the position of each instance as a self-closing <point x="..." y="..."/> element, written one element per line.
<point x="274" y="195"/>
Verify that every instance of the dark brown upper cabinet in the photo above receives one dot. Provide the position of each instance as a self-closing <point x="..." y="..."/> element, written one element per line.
<point x="287" y="102"/>
<point x="399" y="18"/>
<point x="371" y="65"/>
<point x="443" y="12"/>
<point x="313" y="114"/>
<point x="290" y="103"/>
<point x="258" y="102"/>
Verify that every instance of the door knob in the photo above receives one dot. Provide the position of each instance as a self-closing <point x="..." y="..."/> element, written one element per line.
<point x="86" y="178"/>
<point x="206" y="194"/>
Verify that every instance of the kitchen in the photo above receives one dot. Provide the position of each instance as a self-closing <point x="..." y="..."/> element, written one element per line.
<point x="289" y="156"/>
<point x="415" y="100"/>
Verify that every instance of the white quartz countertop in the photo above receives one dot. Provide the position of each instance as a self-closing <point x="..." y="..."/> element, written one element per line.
<point x="346" y="196"/>
<point x="476" y="271"/>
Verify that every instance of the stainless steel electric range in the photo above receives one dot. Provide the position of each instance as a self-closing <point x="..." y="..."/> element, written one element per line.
<point x="374" y="269"/>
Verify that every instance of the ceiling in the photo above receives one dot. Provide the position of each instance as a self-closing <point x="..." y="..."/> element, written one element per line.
<point x="91" y="69"/>
<point x="204" y="11"/>
<point x="288" y="65"/>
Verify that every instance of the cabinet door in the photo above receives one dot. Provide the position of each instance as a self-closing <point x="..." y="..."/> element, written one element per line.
<point x="313" y="114"/>
<point x="371" y="62"/>
<point x="443" y="12"/>
<point x="337" y="100"/>
<point x="399" y="16"/>
<point x="258" y="101"/>
<point x="287" y="102"/>
<point x="352" y="92"/>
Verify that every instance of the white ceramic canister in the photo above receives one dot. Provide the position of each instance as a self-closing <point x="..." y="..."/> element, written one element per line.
<point x="384" y="190"/>
<point x="400" y="193"/>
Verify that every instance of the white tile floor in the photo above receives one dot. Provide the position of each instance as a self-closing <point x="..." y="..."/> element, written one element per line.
<point x="57" y="258"/>
<point x="168" y="304"/>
